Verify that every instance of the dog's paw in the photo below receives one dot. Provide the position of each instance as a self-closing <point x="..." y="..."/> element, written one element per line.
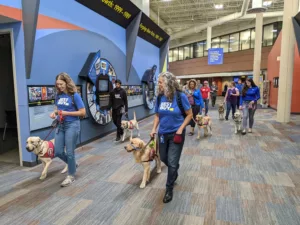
<point x="142" y="185"/>
<point x="43" y="177"/>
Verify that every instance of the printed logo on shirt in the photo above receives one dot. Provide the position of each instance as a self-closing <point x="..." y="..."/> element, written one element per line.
<point x="63" y="101"/>
<point x="165" y="106"/>
<point x="118" y="96"/>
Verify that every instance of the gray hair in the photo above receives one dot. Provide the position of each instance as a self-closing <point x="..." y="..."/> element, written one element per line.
<point x="170" y="85"/>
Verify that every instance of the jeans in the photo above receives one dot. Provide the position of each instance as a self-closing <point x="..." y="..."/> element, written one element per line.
<point x="66" y="135"/>
<point x="213" y="100"/>
<point x="196" y="111"/>
<point x="248" y="113"/>
<point x="117" y="119"/>
<point x="170" y="155"/>
<point x="206" y="101"/>
<point x="229" y="106"/>
<point x="238" y="101"/>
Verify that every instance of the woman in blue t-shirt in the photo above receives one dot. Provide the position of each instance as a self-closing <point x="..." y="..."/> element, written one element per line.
<point x="70" y="107"/>
<point x="173" y="114"/>
<point x="248" y="102"/>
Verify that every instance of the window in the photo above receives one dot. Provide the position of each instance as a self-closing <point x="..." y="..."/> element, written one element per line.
<point x="252" y="38"/>
<point x="170" y="55"/>
<point x="192" y="51"/>
<point x="175" y="54"/>
<point x="245" y="38"/>
<point x="198" y="49"/>
<point x="234" y="42"/>
<point x="277" y="30"/>
<point x="224" y="43"/>
<point x="205" y="48"/>
<point x="215" y="43"/>
<point x="186" y="51"/>
<point x="180" y="53"/>
<point x="268" y="32"/>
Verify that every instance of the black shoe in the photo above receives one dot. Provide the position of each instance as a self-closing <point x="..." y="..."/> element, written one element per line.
<point x="243" y="132"/>
<point x="226" y="118"/>
<point x="168" y="196"/>
<point x="118" y="139"/>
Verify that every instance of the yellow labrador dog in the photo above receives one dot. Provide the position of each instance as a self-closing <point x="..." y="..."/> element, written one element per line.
<point x="45" y="152"/>
<point x="130" y="126"/>
<point x="144" y="154"/>
<point x="237" y="118"/>
<point x="205" y="123"/>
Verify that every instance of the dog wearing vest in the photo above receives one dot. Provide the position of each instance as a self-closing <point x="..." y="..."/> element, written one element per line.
<point x="144" y="154"/>
<point x="45" y="152"/>
<point x="237" y="118"/>
<point x="205" y="123"/>
<point x="221" y="111"/>
<point x="129" y="126"/>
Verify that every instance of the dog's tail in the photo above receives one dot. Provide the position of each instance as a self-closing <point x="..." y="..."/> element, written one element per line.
<point x="134" y="116"/>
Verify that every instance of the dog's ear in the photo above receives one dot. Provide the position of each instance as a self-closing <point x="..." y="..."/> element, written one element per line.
<point x="141" y="144"/>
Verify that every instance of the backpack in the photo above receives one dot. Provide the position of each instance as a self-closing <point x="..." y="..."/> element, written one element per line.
<point x="178" y="100"/>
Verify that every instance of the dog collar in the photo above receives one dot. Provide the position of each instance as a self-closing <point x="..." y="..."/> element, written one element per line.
<point x="130" y="126"/>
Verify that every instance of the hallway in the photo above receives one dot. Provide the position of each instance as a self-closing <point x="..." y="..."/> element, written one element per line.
<point x="224" y="179"/>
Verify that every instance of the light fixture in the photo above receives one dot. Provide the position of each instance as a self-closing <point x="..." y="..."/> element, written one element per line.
<point x="274" y="31"/>
<point x="218" y="6"/>
<point x="267" y="3"/>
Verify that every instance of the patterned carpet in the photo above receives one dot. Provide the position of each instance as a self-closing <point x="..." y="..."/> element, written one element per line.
<point x="223" y="179"/>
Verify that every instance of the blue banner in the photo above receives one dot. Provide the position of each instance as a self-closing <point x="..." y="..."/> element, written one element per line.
<point x="215" y="56"/>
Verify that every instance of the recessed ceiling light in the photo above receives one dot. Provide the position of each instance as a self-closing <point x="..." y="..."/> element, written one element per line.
<point x="267" y="3"/>
<point x="218" y="6"/>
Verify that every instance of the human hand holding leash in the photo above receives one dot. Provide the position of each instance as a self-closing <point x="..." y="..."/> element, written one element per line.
<point x="152" y="134"/>
<point x="53" y="115"/>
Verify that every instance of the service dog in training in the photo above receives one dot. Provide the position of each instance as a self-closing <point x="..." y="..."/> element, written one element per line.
<point x="144" y="154"/>
<point x="130" y="126"/>
<point x="237" y="118"/>
<point x="205" y="123"/>
<point x="45" y="152"/>
<point x="221" y="111"/>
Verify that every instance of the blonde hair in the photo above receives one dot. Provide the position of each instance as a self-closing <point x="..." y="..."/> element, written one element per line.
<point x="71" y="87"/>
<point x="170" y="85"/>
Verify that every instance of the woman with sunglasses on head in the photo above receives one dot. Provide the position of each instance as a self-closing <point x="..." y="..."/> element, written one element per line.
<point x="248" y="103"/>
<point x="69" y="107"/>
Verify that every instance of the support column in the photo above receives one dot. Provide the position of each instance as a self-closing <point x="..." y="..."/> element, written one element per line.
<point x="143" y="5"/>
<point x="208" y="39"/>
<point x="286" y="62"/>
<point x="257" y="48"/>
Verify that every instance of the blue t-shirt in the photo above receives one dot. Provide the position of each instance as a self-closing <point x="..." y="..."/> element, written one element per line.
<point x="252" y="94"/>
<point x="64" y="103"/>
<point x="240" y="87"/>
<point x="170" y="116"/>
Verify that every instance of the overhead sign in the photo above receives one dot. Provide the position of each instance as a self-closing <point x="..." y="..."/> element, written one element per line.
<point x="215" y="56"/>
<point x="119" y="11"/>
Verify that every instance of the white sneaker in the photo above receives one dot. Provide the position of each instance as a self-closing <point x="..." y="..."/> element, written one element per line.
<point x="69" y="180"/>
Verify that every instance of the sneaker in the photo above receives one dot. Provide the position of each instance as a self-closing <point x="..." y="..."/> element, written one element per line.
<point x="68" y="181"/>
<point x="118" y="139"/>
<point x="249" y="130"/>
<point x="244" y="132"/>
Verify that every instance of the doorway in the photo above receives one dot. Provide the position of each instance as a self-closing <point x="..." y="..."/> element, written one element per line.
<point x="9" y="143"/>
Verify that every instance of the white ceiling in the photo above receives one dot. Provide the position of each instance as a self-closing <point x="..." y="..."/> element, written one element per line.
<point x="177" y="15"/>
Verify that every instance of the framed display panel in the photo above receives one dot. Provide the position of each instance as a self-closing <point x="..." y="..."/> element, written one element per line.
<point x="149" y="83"/>
<point x="134" y="95"/>
<point x="41" y="99"/>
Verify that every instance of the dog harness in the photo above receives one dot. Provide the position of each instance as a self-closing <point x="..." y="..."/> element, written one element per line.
<point x="152" y="152"/>
<point x="130" y="126"/>
<point x="50" y="153"/>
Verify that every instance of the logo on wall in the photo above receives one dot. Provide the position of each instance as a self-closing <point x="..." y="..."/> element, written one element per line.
<point x="102" y="78"/>
<point x="148" y="82"/>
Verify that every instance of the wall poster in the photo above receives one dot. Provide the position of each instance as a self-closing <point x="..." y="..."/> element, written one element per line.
<point x="148" y="83"/>
<point x="41" y="100"/>
<point x="134" y="95"/>
<point x="102" y="77"/>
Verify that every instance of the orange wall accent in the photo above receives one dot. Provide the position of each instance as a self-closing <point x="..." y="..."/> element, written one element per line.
<point x="233" y="62"/>
<point x="273" y="71"/>
<point x="11" y="12"/>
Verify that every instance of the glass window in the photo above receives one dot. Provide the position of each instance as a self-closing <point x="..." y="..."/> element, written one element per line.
<point x="215" y="43"/>
<point x="245" y="39"/>
<point x="175" y="54"/>
<point x="170" y="55"/>
<point x="205" y="48"/>
<point x="224" y="43"/>
<point x="252" y="38"/>
<point x="277" y="30"/>
<point x="198" y="49"/>
<point x="187" y="52"/>
<point x="192" y="51"/>
<point x="268" y="35"/>
<point x="180" y="53"/>
<point x="234" y="42"/>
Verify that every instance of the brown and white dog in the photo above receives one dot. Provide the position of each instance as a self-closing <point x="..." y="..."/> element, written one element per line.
<point x="130" y="126"/>
<point x="221" y="111"/>
<point x="205" y="123"/>
<point x="45" y="152"/>
<point x="144" y="154"/>
<point x="237" y="118"/>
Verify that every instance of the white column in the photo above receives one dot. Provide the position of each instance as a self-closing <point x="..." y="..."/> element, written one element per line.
<point x="257" y="48"/>
<point x="286" y="62"/>
<point x="143" y="5"/>
<point x="208" y="39"/>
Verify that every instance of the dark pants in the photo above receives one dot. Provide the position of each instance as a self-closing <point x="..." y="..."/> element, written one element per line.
<point x="196" y="110"/>
<point x="170" y="155"/>
<point x="206" y="101"/>
<point x="238" y="101"/>
<point x="117" y="118"/>
<point x="229" y="106"/>
<point x="213" y="100"/>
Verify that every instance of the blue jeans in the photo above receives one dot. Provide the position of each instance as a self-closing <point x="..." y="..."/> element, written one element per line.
<point x="248" y="113"/>
<point x="66" y="135"/>
<point x="229" y="106"/>
<point x="170" y="155"/>
<point x="206" y="101"/>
